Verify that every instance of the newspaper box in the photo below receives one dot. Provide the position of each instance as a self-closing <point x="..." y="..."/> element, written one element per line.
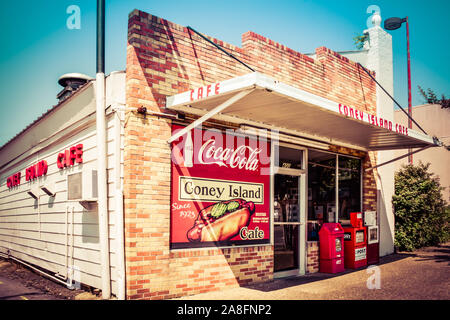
<point x="331" y="239"/>
<point x="355" y="242"/>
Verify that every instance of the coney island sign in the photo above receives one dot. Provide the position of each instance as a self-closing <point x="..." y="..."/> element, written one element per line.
<point x="220" y="185"/>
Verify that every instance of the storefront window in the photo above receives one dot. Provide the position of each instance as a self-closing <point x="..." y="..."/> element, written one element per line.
<point x="322" y="189"/>
<point x="349" y="187"/>
<point x="290" y="158"/>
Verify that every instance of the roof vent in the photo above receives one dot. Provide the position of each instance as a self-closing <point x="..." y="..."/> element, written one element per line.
<point x="71" y="82"/>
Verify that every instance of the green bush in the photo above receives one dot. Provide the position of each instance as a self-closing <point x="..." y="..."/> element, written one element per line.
<point x="421" y="216"/>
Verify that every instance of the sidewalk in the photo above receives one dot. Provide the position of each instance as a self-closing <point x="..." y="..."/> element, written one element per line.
<point x="20" y="283"/>
<point x="422" y="275"/>
<point x="14" y="290"/>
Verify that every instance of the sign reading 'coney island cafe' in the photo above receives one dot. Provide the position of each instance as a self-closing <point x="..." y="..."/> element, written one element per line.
<point x="220" y="189"/>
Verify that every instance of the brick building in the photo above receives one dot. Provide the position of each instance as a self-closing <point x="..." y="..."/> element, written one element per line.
<point x="165" y="59"/>
<point x="279" y="150"/>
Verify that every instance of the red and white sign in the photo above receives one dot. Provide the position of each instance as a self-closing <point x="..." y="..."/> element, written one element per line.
<point x="204" y="92"/>
<point x="37" y="170"/>
<point x="220" y="189"/>
<point x="372" y="119"/>
<point x="13" y="181"/>
<point x="187" y="100"/>
<point x="70" y="156"/>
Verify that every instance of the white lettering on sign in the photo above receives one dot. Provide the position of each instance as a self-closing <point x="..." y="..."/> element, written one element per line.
<point x="184" y="210"/>
<point x="202" y="189"/>
<point x="236" y="157"/>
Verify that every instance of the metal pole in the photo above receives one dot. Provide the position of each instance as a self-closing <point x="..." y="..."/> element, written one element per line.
<point x="101" y="153"/>
<point x="410" y="158"/>
<point x="100" y="36"/>
<point x="118" y="195"/>
<point x="398" y="158"/>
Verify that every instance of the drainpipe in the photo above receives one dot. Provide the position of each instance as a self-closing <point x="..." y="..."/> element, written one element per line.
<point x="118" y="196"/>
<point x="101" y="152"/>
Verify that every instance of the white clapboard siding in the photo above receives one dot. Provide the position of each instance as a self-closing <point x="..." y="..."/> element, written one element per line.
<point x="42" y="232"/>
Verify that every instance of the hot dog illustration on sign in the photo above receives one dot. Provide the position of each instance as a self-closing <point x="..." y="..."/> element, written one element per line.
<point x="220" y="189"/>
<point x="221" y="221"/>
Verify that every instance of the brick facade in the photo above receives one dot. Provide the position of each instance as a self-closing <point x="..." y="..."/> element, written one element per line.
<point x="163" y="59"/>
<point x="312" y="256"/>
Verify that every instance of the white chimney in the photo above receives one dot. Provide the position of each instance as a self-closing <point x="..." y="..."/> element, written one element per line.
<point x="377" y="56"/>
<point x="380" y="60"/>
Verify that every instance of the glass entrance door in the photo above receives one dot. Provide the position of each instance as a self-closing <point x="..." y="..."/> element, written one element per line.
<point x="289" y="209"/>
<point x="286" y="222"/>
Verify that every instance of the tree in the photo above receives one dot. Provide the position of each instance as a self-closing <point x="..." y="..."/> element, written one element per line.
<point x="421" y="215"/>
<point x="360" y="40"/>
<point x="430" y="97"/>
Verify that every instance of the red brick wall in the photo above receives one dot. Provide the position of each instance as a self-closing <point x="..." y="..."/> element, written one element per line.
<point x="312" y="256"/>
<point x="330" y="75"/>
<point x="163" y="59"/>
<point x="167" y="58"/>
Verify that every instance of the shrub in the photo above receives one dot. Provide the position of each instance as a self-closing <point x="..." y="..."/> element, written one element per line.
<point x="421" y="216"/>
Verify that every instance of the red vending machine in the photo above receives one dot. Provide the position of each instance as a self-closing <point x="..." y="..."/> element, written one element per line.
<point x="373" y="246"/>
<point x="331" y="238"/>
<point x="355" y="246"/>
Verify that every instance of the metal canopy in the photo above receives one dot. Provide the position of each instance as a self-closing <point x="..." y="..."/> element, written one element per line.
<point x="273" y="104"/>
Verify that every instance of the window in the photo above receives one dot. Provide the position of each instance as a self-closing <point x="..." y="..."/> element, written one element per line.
<point x="321" y="191"/>
<point x="322" y="184"/>
<point x="290" y="158"/>
<point x="349" y="187"/>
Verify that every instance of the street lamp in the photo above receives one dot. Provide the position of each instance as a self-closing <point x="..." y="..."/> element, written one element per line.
<point x="394" y="24"/>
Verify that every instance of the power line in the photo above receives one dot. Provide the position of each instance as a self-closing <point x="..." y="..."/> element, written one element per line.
<point x="366" y="71"/>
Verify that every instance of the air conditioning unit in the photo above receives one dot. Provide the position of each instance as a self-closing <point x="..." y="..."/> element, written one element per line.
<point x="83" y="187"/>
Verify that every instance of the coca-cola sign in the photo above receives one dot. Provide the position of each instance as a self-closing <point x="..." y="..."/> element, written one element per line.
<point x="220" y="189"/>
<point x="209" y="153"/>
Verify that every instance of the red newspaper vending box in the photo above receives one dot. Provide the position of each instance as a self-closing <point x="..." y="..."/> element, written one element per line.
<point x="355" y="245"/>
<point x="331" y="238"/>
<point x="373" y="246"/>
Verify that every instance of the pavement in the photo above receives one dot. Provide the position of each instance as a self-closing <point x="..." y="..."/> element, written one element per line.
<point x="17" y="282"/>
<point x="15" y="290"/>
<point x="420" y="275"/>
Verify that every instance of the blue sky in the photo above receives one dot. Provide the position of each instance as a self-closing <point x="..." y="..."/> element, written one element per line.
<point x="37" y="47"/>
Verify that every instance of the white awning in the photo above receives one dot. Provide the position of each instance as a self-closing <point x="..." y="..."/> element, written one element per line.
<point x="260" y="101"/>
